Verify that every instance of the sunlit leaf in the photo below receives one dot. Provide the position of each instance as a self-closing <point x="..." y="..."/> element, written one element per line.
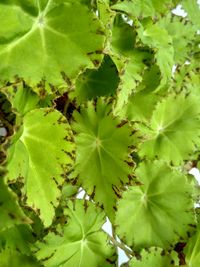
<point x="10" y="211"/>
<point x="100" y="82"/>
<point x="81" y="242"/>
<point x="154" y="257"/>
<point x="102" y="152"/>
<point x="143" y="8"/>
<point x="160" y="207"/>
<point x="41" y="39"/>
<point x="173" y="130"/>
<point x="41" y="160"/>
<point x="192" y="250"/>
<point x="13" y="258"/>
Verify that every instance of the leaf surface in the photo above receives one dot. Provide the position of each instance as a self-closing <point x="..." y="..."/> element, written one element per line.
<point x="102" y="152"/>
<point x="10" y="211"/>
<point x="173" y="131"/>
<point x="143" y="8"/>
<point x="13" y="258"/>
<point x="81" y="242"/>
<point x="192" y="249"/>
<point x="40" y="155"/>
<point x="45" y="38"/>
<point x="160" y="207"/>
<point x="152" y="258"/>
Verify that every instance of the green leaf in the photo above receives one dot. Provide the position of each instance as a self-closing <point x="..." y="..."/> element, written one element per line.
<point x="22" y="99"/>
<point x="154" y="257"/>
<point x="187" y="78"/>
<point x="158" y="39"/>
<point x="48" y="37"/>
<point x="130" y="61"/>
<point x="173" y="130"/>
<point x="141" y="104"/>
<point x="143" y="8"/>
<point x="15" y="259"/>
<point x="17" y="238"/>
<point x="136" y="109"/>
<point x="160" y="207"/>
<point x="183" y="36"/>
<point x="10" y="211"/>
<point x="192" y="250"/>
<point x="193" y="11"/>
<point x="41" y="155"/>
<point x="81" y="242"/>
<point x="100" y="82"/>
<point x="68" y="191"/>
<point x="102" y="153"/>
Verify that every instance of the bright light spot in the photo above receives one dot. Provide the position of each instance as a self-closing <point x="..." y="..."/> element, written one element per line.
<point x="127" y="20"/>
<point x="174" y="69"/>
<point x="107" y="227"/>
<point x="81" y="195"/>
<point x="179" y="11"/>
<point x="187" y="62"/>
<point x="195" y="172"/>
<point x="122" y="256"/>
<point x="97" y="13"/>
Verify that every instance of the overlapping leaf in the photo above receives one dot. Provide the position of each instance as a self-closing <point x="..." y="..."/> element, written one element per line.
<point x="10" y="211"/>
<point x="157" y="38"/>
<point x="193" y="11"/>
<point x="81" y="242"/>
<point x="41" y="39"/>
<point x="141" y="104"/>
<point x="154" y="257"/>
<point x="22" y="99"/>
<point x="130" y="61"/>
<point x="18" y="238"/>
<point x="182" y="33"/>
<point x="143" y="8"/>
<point x="40" y="154"/>
<point x="13" y="258"/>
<point x="102" y="152"/>
<point x="173" y="131"/>
<point x="160" y="207"/>
<point x="94" y="83"/>
<point x="192" y="250"/>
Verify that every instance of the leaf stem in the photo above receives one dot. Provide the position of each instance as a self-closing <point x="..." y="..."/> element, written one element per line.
<point x="127" y="251"/>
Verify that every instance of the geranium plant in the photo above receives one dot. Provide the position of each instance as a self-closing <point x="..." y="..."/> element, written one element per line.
<point x="100" y="98"/>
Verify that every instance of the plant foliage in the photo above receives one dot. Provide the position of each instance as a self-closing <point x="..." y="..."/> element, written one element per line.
<point x="99" y="100"/>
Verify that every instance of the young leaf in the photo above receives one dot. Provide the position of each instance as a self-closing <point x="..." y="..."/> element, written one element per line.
<point x="40" y="155"/>
<point x="173" y="130"/>
<point x="48" y="38"/>
<point x="102" y="152"/>
<point x="159" y="210"/>
<point x="81" y="242"/>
